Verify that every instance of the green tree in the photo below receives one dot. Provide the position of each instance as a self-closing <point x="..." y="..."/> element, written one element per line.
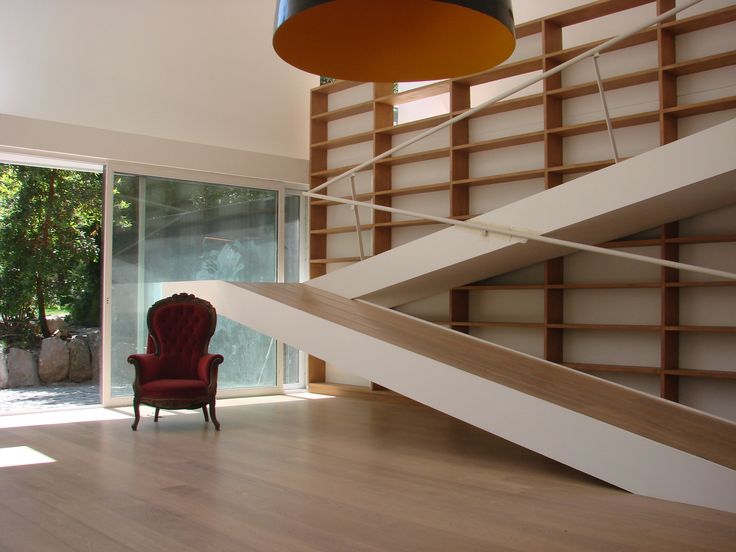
<point x="50" y="225"/>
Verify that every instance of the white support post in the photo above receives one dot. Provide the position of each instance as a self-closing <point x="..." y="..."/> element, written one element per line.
<point x="357" y="218"/>
<point x="606" y="114"/>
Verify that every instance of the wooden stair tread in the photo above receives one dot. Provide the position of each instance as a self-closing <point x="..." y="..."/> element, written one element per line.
<point x="663" y="421"/>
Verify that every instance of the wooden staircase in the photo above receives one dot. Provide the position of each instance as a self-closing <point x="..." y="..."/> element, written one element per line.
<point x="641" y="443"/>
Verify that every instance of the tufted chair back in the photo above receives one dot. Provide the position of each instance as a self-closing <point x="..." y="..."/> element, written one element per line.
<point x="180" y="328"/>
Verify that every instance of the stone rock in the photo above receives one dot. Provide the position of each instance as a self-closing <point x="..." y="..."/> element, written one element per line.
<point x="80" y="362"/>
<point x="22" y="368"/>
<point x="53" y="363"/>
<point x="3" y="369"/>
<point x="93" y="341"/>
<point x="57" y="323"/>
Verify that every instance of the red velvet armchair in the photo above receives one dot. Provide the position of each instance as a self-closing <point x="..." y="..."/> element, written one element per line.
<point x="177" y="372"/>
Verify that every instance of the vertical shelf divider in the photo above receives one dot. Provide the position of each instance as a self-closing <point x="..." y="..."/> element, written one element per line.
<point x="383" y="117"/>
<point x="669" y="385"/>
<point x="317" y="213"/>
<point x="459" y="194"/>
<point x="553" y="157"/>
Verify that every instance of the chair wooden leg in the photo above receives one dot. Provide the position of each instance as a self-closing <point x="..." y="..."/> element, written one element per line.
<point x="137" y="410"/>
<point x="206" y="416"/>
<point x="155" y="417"/>
<point x="213" y="415"/>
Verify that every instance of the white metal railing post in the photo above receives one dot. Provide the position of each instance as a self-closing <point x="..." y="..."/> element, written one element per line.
<point x="602" y="94"/>
<point x="358" y="228"/>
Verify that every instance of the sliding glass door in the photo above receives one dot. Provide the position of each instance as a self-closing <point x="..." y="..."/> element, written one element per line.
<point x="165" y="229"/>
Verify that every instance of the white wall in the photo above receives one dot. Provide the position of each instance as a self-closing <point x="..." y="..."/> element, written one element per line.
<point x="185" y="70"/>
<point x="58" y="140"/>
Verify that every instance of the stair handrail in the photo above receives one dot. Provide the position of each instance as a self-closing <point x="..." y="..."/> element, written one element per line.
<point x="520" y="235"/>
<point x="525" y="235"/>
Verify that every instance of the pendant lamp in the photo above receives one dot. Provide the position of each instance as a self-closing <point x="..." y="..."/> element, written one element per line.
<point x="394" y="40"/>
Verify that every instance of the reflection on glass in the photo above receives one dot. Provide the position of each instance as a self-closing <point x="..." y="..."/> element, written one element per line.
<point x="172" y="230"/>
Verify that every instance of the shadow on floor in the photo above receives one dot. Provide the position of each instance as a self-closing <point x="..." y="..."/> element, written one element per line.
<point x="24" y="399"/>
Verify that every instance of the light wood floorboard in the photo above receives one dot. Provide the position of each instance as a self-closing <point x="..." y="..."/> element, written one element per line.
<point x="321" y="475"/>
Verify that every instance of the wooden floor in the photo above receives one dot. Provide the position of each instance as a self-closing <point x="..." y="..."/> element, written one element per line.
<point x="320" y="475"/>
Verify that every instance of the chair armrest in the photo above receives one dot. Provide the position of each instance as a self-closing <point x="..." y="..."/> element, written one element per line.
<point x="146" y="367"/>
<point x="207" y="368"/>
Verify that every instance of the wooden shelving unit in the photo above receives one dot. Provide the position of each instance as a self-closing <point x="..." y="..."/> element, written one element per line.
<point x="553" y="171"/>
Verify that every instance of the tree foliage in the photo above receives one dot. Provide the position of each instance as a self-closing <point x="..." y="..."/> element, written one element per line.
<point x="50" y="229"/>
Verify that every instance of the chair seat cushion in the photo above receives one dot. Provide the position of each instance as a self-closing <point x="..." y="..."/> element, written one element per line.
<point x="174" y="389"/>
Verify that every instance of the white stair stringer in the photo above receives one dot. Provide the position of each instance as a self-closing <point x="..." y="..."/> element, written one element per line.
<point x="690" y="176"/>
<point x="606" y="450"/>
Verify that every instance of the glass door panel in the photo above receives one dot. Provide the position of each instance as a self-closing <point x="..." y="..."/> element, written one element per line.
<point x="167" y="230"/>
<point x="293" y="237"/>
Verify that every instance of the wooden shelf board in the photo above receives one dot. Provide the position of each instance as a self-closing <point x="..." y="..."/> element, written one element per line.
<point x="699" y="65"/>
<point x="445" y="323"/>
<point x="337" y="260"/>
<point x="586" y="367"/>
<point x="487" y="324"/>
<point x="710" y="374"/>
<point x="415" y="157"/>
<point x="598" y="285"/>
<point x="608" y="285"/>
<point x="701" y="108"/>
<point x="422" y="124"/>
<point x="412" y="190"/>
<point x="595" y="10"/>
<point x="503" y="71"/>
<point x="499" y="287"/>
<point x="589" y="166"/>
<point x="339" y="230"/>
<point x="608" y="327"/>
<point x="701" y="329"/>
<point x="500" y="178"/>
<point x="683" y="240"/>
<point x="719" y="283"/>
<point x="642" y="37"/>
<point x="344" y="141"/>
<point x="337" y="86"/>
<point x="532" y="100"/>
<point x="600" y="125"/>
<point x="701" y="21"/>
<point x="420" y="93"/>
<point x="329" y="173"/>
<point x="344" y="112"/>
<point x="613" y="83"/>
<point x="505" y="142"/>
<point x="528" y="28"/>
<point x="405" y="223"/>
<point x="619" y="244"/>
<point x="327" y="202"/>
<point x="723" y="238"/>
